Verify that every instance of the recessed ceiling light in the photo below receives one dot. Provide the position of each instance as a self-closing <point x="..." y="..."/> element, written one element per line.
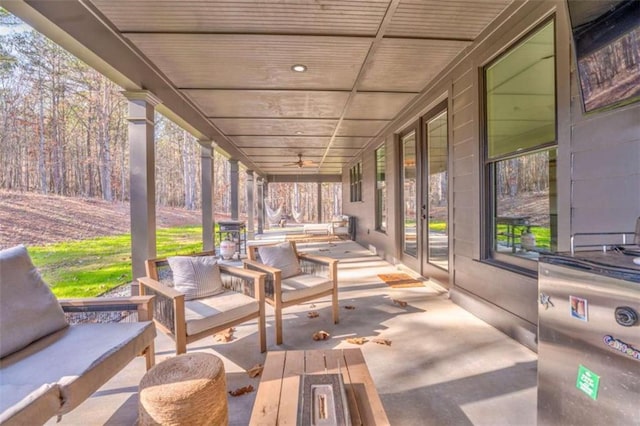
<point x="298" y="132"/>
<point x="299" y="68"/>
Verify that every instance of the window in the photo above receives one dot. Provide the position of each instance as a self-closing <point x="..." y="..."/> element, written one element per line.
<point x="520" y="159"/>
<point x="381" y="190"/>
<point x="355" y="180"/>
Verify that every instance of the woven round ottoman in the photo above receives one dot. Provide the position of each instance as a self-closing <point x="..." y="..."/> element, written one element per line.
<point x="188" y="389"/>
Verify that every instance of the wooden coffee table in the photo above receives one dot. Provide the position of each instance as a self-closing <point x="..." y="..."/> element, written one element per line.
<point x="277" y="398"/>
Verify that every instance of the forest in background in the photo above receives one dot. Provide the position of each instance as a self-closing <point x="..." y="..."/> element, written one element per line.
<point x="63" y="131"/>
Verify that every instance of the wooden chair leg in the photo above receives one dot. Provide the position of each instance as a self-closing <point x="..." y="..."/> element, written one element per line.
<point x="336" y="307"/>
<point x="278" y="312"/>
<point x="150" y="355"/>
<point x="262" y="331"/>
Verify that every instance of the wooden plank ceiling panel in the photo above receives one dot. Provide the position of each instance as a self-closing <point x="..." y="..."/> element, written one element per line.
<point x="413" y="63"/>
<point x="344" y="17"/>
<point x="261" y="142"/>
<point x="377" y="105"/>
<point x="454" y="19"/>
<point x="275" y="127"/>
<point x="303" y="149"/>
<point x="269" y="103"/>
<point x="361" y="127"/>
<point x="226" y="61"/>
<point x="350" y="142"/>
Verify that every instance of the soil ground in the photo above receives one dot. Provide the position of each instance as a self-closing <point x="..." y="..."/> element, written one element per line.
<point x="36" y="219"/>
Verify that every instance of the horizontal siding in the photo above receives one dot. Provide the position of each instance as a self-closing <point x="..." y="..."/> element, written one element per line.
<point x="605" y="129"/>
<point x="596" y="163"/>
<point x="465" y="148"/>
<point x="462" y="248"/>
<point x="512" y="292"/>
<point x="465" y="132"/>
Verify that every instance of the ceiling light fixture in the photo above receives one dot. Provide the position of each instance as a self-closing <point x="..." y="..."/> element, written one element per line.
<point x="298" y="132"/>
<point x="299" y="68"/>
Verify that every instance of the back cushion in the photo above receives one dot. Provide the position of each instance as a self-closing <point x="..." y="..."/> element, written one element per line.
<point x="28" y="308"/>
<point x="281" y="256"/>
<point x="196" y="276"/>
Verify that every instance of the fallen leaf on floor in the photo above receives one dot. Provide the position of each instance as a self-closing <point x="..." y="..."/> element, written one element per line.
<point x="241" y="391"/>
<point x="399" y="302"/>
<point x="312" y="305"/>
<point x="357" y="340"/>
<point x="313" y="314"/>
<point x="321" y="335"/>
<point x="225" y="335"/>
<point x="382" y="341"/>
<point x="350" y="307"/>
<point x="323" y="250"/>
<point x="255" y="371"/>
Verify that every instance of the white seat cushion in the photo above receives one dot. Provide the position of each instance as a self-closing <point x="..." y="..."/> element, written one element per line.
<point x="209" y="312"/>
<point x="304" y="285"/>
<point x="37" y="405"/>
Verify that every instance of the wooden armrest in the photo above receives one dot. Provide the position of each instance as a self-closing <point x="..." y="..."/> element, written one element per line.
<point x="143" y="304"/>
<point x="160" y="288"/>
<point x="262" y="267"/>
<point x="239" y="272"/>
<point x="318" y="259"/>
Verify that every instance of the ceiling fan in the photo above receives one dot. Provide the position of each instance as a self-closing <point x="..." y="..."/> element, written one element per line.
<point x="301" y="163"/>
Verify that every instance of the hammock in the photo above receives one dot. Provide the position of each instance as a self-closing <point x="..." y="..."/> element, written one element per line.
<point x="296" y="211"/>
<point x="274" y="216"/>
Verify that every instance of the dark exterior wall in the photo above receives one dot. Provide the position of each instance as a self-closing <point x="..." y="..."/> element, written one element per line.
<point x="598" y="174"/>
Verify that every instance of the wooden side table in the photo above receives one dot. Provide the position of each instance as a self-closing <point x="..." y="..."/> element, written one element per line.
<point x="277" y="398"/>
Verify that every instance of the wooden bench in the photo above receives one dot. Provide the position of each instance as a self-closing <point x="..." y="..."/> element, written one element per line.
<point x="277" y="398"/>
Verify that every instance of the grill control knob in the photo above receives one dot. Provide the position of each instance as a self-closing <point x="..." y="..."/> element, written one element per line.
<point x="626" y="316"/>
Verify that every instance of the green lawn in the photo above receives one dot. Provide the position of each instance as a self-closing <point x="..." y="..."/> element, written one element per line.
<point x="91" y="267"/>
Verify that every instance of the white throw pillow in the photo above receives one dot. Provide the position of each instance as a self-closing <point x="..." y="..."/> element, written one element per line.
<point x="196" y="276"/>
<point x="281" y="256"/>
<point x="28" y="308"/>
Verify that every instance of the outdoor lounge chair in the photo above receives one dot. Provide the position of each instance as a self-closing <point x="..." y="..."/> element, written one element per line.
<point x="293" y="278"/>
<point x="236" y="296"/>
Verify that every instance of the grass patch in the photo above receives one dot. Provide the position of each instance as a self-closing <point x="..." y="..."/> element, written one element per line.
<point x="91" y="267"/>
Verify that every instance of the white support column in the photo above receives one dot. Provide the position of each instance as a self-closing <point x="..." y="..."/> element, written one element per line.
<point x="142" y="183"/>
<point x="207" y="183"/>
<point x="260" y="195"/>
<point x="235" y="184"/>
<point x="250" y="205"/>
<point x="265" y="189"/>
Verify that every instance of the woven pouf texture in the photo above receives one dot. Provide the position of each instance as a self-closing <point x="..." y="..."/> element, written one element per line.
<point x="189" y="389"/>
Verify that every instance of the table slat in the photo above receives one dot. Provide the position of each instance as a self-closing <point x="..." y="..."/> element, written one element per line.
<point x="367" y="398"/>
<point x="293" y="368"/>
<point x="265" y="408"/>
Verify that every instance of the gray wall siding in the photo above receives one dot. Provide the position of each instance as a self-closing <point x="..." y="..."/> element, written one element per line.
<point x="598" y="173"/>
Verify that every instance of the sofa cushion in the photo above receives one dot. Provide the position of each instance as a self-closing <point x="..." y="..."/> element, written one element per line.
<point x="34" y="407"/>
<point x="281" y="256"/>
<point x="304" y="285"/>
<point x="210" y="312"/>
<point x="196" y="276"/>
<point x="91" y="353"/>
<point x="28" y="308"/>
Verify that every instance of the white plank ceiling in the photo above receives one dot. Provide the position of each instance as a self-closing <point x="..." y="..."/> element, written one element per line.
<point x="366" y="61"/>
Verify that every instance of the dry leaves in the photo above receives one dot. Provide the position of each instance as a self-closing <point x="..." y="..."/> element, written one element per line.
<point x="321" y="335"/>
<point x="225" y="335"/>
<point x="381" y="341"/>
<point x="402" y="303"/>
<point x="255" y="371"/>
<point x="357" y="340"/>
<point x="350" y="307"/>
<point x="241" y="391"/>
<point x="311" y="306"/>
<point x="313" y="314"/>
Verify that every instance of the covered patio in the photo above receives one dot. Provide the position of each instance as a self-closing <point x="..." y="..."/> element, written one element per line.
<point x="444" y="365"/>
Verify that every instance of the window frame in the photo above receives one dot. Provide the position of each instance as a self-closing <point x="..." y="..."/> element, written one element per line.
<point x="381" y="197"/>
<point x="355" y="182"/>
<point x="488" y="209"/>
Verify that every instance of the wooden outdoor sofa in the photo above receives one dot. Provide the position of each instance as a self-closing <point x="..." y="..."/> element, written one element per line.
<point x="47" y="366"/>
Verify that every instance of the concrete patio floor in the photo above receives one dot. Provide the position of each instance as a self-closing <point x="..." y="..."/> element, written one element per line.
<point x="444" y="366"/>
